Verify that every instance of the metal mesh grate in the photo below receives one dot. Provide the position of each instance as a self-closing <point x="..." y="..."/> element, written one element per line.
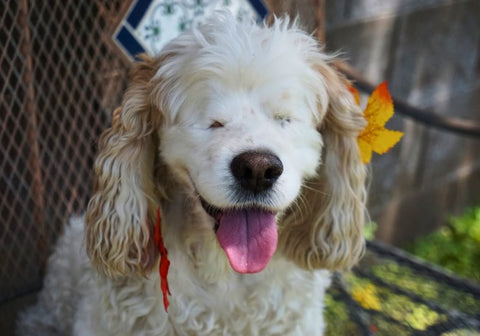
<point x="393" y="293"/>
<point x="59" y="82"/>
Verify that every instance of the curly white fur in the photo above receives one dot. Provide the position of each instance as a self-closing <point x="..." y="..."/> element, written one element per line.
<point x="268" y="89"/>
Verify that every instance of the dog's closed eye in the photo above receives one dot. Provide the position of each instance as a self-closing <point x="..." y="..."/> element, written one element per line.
<point x="216" y="124"/>
<point x="283" y="119"/>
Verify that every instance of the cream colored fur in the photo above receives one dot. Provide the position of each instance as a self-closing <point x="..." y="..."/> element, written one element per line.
<point x="270" y="88"/>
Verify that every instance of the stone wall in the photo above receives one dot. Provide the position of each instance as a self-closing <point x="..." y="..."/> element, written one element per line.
<point x="429" y="52"/>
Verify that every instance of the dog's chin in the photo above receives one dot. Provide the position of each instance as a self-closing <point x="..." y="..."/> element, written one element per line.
<point x="247" y="234"/>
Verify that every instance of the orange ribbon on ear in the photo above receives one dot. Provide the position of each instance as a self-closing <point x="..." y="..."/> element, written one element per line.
<point x="164" y="262"/>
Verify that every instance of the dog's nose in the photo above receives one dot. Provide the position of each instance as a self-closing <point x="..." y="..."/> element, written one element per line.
<point x="256" y="171"/>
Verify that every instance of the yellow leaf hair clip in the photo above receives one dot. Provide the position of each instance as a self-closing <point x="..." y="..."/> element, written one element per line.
<point x="375" y="137"/>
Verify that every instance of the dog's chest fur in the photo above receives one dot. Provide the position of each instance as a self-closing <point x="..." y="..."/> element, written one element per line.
<point x="208" y="297"/>
<point x="280" y="301"/>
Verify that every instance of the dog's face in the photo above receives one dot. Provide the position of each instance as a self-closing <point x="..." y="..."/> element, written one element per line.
<point x="242" y="115"/>
<point x="245" y="146"/>
<point x="245" y="136"/>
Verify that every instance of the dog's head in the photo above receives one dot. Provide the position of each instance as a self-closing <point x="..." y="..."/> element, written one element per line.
<point x="259" y="126"/>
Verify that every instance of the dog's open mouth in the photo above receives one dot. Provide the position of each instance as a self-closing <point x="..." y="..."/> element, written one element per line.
<point x="248" y="236"/>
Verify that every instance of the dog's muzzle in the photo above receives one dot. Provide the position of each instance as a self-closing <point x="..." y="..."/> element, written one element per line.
<point x="248" y="233"/>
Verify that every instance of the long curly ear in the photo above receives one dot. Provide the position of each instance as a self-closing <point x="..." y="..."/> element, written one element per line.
<point x="120" y="215"/>
<point x="327" y="232"/>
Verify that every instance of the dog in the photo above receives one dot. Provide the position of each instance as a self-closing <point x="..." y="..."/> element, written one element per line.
<point x="245" y="138"/>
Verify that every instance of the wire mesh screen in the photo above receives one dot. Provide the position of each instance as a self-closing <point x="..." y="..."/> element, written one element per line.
<point x="393" y="293"/>
<point x="59" y="81"/>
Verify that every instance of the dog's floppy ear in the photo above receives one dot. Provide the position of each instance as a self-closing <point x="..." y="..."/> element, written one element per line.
<point x="120" y="215"/>
<point x="325" y="229"/>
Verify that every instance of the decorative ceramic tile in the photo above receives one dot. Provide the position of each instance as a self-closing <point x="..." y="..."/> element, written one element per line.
<point x="150" y="24"/>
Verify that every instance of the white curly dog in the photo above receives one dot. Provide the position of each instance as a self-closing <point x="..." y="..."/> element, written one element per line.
<point x="246" y="138"/>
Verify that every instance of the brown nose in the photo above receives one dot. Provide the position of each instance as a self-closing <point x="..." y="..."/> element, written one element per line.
<point x="256" y="171"/>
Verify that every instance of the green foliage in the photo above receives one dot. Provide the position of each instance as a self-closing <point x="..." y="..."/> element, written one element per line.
<point x="456" y="246"/>
<point x="370" y="229"/>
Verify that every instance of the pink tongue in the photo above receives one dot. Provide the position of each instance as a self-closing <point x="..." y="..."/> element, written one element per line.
<point x="249" y="238"/>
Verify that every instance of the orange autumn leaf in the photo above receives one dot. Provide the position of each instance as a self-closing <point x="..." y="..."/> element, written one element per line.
<point x="375" y="137"/>
<point x="355" y="93"/>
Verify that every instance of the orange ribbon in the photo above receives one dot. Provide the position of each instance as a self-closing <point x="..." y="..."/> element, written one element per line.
<point x="164" y="262"/>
